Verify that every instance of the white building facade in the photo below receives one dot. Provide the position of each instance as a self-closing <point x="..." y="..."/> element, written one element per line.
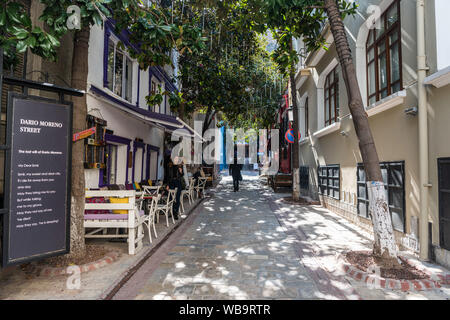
<point x="116" y="92"/>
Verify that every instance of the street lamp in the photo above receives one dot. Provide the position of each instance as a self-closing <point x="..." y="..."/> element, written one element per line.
<point x="291" y="114"/>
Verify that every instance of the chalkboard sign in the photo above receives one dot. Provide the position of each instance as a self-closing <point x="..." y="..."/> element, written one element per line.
<point x="38" y="174"/>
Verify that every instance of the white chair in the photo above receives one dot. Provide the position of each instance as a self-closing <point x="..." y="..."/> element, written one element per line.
<point x="167" y="206"/>
<point x="150" y="219"/>
<point x="200" y="188"/>
<point x="151" y="190"/>
<point x="189" y="193"/>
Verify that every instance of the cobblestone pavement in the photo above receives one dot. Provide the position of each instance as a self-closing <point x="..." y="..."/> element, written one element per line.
<point x="235" y="249"/>
<point x="250" y="245"/>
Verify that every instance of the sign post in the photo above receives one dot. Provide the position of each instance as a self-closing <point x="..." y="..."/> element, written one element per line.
<point x="38" y="176"/>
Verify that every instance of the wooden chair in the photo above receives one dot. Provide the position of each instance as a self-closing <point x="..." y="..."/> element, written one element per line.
<point x="200" y="188"/>
<point x="189" y="193"/>
<point x="167" y="207"/>
<point x="151" y="190"/>
<point x="150" y="218"/>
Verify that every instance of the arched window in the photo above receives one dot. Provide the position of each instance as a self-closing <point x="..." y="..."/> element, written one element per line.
<point x="383" y="47"/>
<point x="119" y="70"/>
<point x="331" y="92"/>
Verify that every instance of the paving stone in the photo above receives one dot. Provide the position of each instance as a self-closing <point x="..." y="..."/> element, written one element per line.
<point x="237" y="249"/>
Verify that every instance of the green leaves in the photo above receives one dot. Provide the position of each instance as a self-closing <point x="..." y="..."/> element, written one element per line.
<point x="2" y="17"/>
<point x="21" y="36"/>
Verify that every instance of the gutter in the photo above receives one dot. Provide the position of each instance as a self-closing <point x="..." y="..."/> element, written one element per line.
<point x="423" y="131"/>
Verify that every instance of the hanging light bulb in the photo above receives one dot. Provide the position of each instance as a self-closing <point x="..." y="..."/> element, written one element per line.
<point x="203" y="20"/>
<point x="182" y="10"/>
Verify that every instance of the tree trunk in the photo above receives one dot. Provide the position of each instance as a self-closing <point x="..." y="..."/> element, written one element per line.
<point x="384" y="246"/>
<point x="79" y="81"/>
<point x="295" y="160"/>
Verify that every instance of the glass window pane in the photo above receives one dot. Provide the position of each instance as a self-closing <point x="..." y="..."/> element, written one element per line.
<point x="337" y="99"/>
<point x="333" y="113"/>
<point x="393" y="37"/>
<point x="382" y="74"/>
<point x="362" y="191"/>
<point x="129" y="80"/>
<point x="370" y="38"/>
<point x="110" y="71"/>
<point x="395" y="63"/>
<point x="396" y="87"/>
<point x="118" y="74"/>
<point x="381" y="25"/>
<point x="371" y="54"/>
<point x="397" y="220"/>
<point x="396" y="176"/>
<point x="336" y="183"/>
<point x="383" y="94"/>
<point x="384" y="173"/>
<point x="361" y="175"/>
<point x="445" y="226"/>
<point x="362" y="209"/>
<point x="372" y="100"/>
<point x="392" y="15"/>
<point x="445" y="204"/>
<point x="372" y="79"/>
<point x="396" y="197"/>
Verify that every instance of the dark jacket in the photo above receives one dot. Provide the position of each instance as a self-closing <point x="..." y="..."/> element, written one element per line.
<point x="235" y="170"/>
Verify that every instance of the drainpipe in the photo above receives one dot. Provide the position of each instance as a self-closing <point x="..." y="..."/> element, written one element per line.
<point x="423" y="130"/>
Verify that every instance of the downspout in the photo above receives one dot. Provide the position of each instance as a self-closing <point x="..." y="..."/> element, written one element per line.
<point x="423" y="130"/>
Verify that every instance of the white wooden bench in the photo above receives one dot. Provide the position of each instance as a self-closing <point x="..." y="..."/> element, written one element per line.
<point x="100" y="223"/>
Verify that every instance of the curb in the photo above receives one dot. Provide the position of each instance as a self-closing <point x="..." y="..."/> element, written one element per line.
<point x="442" y="278"/>
<point x="387" y="283"/>
<point x="124" y="278"/>
<point x="109" y="258"/>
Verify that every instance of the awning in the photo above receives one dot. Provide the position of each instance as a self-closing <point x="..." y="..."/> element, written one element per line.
<point x="166" y="122"/>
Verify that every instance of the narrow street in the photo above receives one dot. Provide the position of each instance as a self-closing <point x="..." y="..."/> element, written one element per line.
<point x="250" y="245"/>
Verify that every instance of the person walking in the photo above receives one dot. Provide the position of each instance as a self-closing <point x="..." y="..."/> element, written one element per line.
<point x="177" y="181"/>
<point x="235" y="172"/>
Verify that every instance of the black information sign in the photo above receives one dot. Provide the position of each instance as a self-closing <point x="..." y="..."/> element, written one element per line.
<point x="39" y="167"/>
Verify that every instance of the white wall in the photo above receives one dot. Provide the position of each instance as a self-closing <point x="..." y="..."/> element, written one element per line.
<point x="127" y="127"/>
<point x="138" y="166"/>
<point x="120" y="122"/>
<point x="442" y="33"/>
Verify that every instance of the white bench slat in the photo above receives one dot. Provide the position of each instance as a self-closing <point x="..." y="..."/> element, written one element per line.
<point x="111" y="193"/>
<point x="109" y="206"/>
<point x="133" y="223"/>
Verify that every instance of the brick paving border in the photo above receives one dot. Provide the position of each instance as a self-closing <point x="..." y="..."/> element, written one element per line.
<point x="442" y="278"/>
<point x="387" y="283"/>
<point x="109" y="258"/>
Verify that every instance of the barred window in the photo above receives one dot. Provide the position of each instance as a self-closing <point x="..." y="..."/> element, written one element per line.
<point x="330" y="181"/>
<point x="304" y="177"/>
<point x="393" y="178"/>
